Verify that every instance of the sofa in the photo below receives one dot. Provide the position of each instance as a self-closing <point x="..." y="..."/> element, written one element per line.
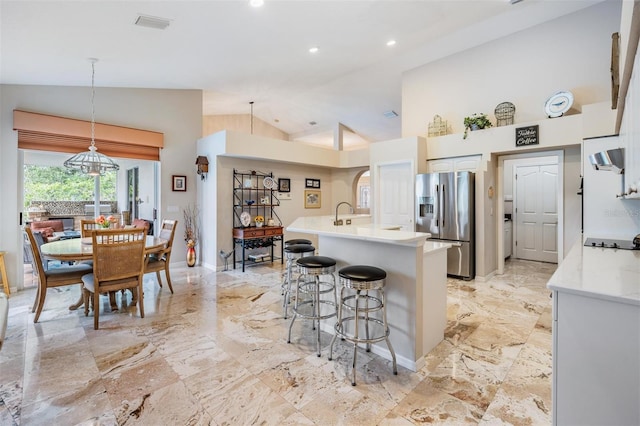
<point x="144" y="224"/>
<point x="47" y="228"/>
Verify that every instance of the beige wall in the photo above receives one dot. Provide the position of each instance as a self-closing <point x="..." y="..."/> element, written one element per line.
<point x="176" y="113"/>
<point x="229" y="150"/>
<point x="521" y="69"/>
<point x="569" y="53"/>
<point x="240" y="123"/>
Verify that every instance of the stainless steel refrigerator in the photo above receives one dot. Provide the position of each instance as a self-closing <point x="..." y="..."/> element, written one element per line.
<point x="445" y="207"/>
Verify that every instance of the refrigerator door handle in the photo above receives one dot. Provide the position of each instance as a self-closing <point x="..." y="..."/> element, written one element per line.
<point x="444" y="213"/>
<point x="436" y="212"/>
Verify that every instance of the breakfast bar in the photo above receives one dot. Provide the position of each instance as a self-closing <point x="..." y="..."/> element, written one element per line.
<point x="416" y="278"/>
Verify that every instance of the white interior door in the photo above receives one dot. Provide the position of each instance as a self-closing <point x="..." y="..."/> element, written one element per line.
<point x="537" y="212"/>
<point x="396" y="196"/>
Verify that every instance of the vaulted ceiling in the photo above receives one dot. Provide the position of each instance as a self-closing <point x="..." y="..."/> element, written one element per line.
<point x="236" y="53"/>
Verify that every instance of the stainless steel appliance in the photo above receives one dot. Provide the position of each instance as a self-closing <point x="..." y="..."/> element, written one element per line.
<point x="445" y="207"/>
<point x="614" y="244"/>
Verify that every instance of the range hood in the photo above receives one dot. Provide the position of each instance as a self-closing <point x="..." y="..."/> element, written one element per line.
<point x="612" y="159"/>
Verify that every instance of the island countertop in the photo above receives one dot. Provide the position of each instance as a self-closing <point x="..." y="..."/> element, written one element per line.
<point x="360" y="229"/>
<point x="602" y="273"/>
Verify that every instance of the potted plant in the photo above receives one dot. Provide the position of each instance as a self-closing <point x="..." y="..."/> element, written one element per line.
<point x="475" y="122"/>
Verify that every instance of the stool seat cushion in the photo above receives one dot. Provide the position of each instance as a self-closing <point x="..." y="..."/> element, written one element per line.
<point x="297" y="241"/>
<point x="316" y="262"/>
<point x="362" y="273"/>
<point x="299" y="248"/>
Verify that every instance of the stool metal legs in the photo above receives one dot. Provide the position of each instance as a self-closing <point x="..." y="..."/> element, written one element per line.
<point x="286" y="286"/>
<point x="288" y="275"/>
<point x="314" y="289"/>
<point x="361" y="313"/>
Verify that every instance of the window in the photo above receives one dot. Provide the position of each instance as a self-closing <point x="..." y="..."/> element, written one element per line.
<point x="363" y="201"/>
<point x="57" y="183"/>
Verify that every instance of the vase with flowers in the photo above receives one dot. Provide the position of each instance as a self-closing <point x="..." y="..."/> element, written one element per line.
<point x="191" y="232"/>
<point x="105" y="222"/>
<point x="259" y="220"/>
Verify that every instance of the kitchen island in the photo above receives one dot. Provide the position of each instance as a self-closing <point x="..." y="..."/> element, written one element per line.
<point x="596" y="337"/>
<point x="416" y="283"/>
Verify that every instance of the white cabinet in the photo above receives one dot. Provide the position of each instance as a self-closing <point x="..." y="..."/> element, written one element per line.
<point x="508" y="237"/>
<point x="468" y="163"/>
<point x="596" y="358"/>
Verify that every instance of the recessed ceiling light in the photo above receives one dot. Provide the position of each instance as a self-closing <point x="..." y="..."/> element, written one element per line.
<point x="391" y="43"/>
<point x="152" y="22"/>
<point x="256" y="3"/>
<point x="314" y="49"/>
<point x="313" y="123"/>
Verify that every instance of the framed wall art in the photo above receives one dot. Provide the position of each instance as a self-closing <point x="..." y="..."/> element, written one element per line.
<point x="179" y="183"/>
<point x="312" y="183"/>
<point x="284" y="185"/>
<point x="312" y="199"/>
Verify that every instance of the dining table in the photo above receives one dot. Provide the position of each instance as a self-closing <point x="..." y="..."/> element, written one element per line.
<point x="79" y="249"/>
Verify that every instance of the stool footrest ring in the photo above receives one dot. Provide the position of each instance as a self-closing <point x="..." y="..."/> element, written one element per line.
<point x="377" y="303"/>
<point x="340" y="326"/>
<point x="300" y="311"/>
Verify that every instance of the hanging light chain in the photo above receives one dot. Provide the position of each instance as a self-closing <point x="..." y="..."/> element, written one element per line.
<point x="93" y="104"/>
<point x="92" y="162"/>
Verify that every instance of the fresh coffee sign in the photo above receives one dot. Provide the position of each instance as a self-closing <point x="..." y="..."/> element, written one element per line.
<point x="527" y="136"/>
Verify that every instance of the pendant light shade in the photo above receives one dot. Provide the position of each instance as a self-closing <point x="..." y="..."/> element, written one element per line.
<point x="92" y="162"/>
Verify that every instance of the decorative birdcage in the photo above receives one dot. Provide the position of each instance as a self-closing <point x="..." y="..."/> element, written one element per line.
<point x="438" y="127"/>
<point x="504" y="113"/>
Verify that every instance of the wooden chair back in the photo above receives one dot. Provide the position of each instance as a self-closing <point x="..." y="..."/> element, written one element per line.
<point x="51" y="278"/>
<point x="86" y="226"/>
<point x="117" y="254"/>
<point x="159" y="261"/>
<point x="118" y="264"/>
<point x="168" y="231"/>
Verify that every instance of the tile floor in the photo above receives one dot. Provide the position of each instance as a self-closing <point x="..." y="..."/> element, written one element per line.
<point x="215" y="353"/>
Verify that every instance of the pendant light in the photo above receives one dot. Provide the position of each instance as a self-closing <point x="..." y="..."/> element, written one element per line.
<point x="251" y="103"/>
<point x="92" y="162"/>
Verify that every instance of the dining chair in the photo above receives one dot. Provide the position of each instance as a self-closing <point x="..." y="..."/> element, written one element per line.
<point x="55" y="277"/>
<point x="118" y="264"/>
<point x="159" y="261"/>
<point x="86" y="226"/>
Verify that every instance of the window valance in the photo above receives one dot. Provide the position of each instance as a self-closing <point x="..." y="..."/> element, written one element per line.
<point x="45" y="132"/>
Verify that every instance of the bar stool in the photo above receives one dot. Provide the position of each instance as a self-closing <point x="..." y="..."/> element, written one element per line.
<point x="297" y="241"/>
<point x="292" y="252"/>
<point x="362" y="279"/>
<point x="310" y="286"/>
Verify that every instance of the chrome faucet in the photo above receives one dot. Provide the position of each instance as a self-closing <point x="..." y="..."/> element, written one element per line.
<point x="339" y="222"/>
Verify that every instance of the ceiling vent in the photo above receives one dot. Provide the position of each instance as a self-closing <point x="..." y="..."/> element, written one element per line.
<point x="390" y="114"/>
<point x="152" y="22"/>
